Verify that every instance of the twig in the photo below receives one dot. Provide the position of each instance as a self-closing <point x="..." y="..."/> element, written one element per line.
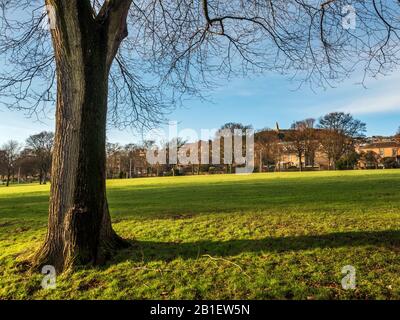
<point x="151" y="269"/>
<point x="235" y="264"/>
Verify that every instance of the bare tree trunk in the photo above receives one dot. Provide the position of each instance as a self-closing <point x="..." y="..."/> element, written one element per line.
<point x="79" y="227"/>
<point x="8" y="178"/>
<point x="300" y="162"/>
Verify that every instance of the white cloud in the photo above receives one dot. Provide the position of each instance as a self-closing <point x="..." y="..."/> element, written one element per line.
<point x="383" y="102"/>
<point x="381" y="95"/>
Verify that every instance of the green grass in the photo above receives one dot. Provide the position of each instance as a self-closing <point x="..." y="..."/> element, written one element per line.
<point x="261" y="236"/>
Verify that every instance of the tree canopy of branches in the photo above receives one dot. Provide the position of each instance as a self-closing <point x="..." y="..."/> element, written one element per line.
<point x="340" y="133"/>
<point x="124" y="61"/>
<point x="28" y="166"/>
<point x="371" y="158"/>
<point x="41" y="145"/>
<point x="302" y="140"/>
<point x="10" y="153"/>
<point x="230" y="129"/>
<point x="185" y="43"/>
<point x="267" y="146"/>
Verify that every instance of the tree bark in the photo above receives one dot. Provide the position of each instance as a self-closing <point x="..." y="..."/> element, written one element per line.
<point x="79" y="226"/>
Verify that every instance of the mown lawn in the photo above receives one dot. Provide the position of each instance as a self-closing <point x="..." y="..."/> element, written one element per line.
<point x="262" y="236"/>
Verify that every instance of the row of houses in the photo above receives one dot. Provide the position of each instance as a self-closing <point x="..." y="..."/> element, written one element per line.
<point x="379" y="151"/>
<point x="373" y="153"/>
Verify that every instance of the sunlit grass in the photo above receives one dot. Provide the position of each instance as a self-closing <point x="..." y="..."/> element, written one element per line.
<point x="259" y="236"/>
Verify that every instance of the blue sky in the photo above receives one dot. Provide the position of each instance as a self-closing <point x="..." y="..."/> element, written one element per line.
<point x="260" y="101"/>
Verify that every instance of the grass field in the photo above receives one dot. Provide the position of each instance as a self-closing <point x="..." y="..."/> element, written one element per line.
<point x="262" y="236"/>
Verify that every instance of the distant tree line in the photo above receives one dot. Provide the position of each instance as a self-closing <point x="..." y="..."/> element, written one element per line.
<point x="28" y="162"/>
<point x="334" y="135"/>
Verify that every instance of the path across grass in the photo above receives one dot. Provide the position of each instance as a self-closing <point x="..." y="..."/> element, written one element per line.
<point x="261" y="236"/>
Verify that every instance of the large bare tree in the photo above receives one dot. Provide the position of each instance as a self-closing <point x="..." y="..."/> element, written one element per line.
<point x="302" y="141"/>
<point x="339" y="134"/>
<point x="10" y="153"/>
<point x="41" y="145"/>
<point x="102" y="54"/>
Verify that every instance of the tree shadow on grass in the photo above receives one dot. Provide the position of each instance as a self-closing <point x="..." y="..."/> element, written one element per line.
<point x="147" y="251"/>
